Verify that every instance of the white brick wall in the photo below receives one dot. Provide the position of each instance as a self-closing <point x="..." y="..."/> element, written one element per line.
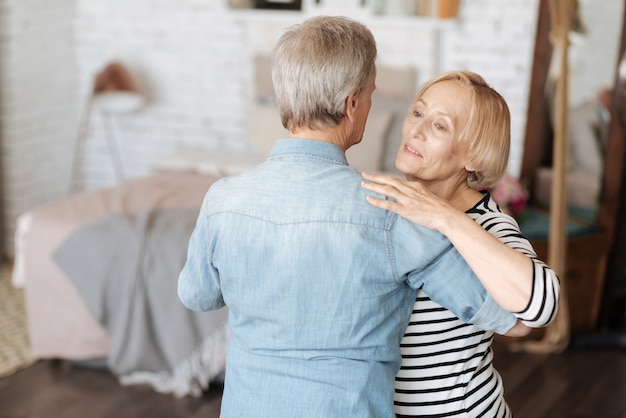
<point x="37" y="104"/>
<point x="192" y="60"/>
<point x="496" y="40"/>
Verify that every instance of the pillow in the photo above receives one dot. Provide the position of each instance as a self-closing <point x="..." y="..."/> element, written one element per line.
<point x="395" y="89"/>
<point x="397" y="83"/>
<point x="265" y="128"/>
<point x="398" y="107"/>
<point x="264" y="90"/>
<point x="368" y="154"/>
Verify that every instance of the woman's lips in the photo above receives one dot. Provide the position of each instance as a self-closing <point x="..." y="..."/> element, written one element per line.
<point x="412" y="150"/>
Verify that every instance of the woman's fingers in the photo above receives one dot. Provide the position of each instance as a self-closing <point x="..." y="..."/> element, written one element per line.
<point x="378" y="178"/>
<point x="378" y="188"/>
<point x="411" y="199"/>
<point x="386" y="182"/>
<point x="389" y="205"/>
<point x="382" y="179"/>
<point x="379" y="203"/>
<point x="408" y="188"/>
<point x="388" y="190"/>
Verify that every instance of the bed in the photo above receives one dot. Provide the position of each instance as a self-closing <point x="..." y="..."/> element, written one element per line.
<point x="100" y="269"/>
<point x="99" y="272"/>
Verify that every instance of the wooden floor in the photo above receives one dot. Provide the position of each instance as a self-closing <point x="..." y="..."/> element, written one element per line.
<point x="582" y="382"/>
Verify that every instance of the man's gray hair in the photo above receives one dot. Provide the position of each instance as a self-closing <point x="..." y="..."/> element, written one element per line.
<point x="316" y="65"/>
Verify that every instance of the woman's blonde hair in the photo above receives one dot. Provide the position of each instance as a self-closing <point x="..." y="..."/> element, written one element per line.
<point x="488" y="128"/>
<point x="316" y="65"/>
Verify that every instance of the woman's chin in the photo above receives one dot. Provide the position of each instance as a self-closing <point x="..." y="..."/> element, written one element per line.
<point x="404" y="166"/>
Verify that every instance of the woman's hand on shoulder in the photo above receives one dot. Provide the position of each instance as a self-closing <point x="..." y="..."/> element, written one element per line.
<point x="410" y="199"/>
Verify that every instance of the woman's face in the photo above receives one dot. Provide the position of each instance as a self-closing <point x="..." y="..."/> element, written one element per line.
<point x="429" y="151"/>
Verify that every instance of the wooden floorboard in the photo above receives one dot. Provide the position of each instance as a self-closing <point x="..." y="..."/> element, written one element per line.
<point x="58" y="389"/>
<point x="588" y="382"/>
<point x="581" y="382"/>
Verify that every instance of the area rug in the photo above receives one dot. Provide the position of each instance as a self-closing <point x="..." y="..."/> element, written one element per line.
<point x="14" y="345"/>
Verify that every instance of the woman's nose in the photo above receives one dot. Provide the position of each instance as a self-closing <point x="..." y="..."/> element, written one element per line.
<point x="417" y="129"/>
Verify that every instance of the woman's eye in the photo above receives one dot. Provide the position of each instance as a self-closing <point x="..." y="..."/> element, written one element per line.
<point x="440" y="127"/>
<point x="417" y="113"/>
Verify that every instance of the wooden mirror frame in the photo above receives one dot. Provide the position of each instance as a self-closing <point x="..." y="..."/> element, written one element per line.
<point x="536" y="123"/>
<point x="587" y="256"/>
<point x="613" y="312"/>
<point x="536" y="118"/>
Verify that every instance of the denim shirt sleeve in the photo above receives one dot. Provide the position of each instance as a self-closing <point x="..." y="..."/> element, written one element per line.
<point x="450" y="282"/>
<point x="492" y="317"/>
<point x="199" y="287"/>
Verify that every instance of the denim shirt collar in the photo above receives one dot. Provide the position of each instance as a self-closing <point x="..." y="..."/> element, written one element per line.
<point x="308" y="149"/>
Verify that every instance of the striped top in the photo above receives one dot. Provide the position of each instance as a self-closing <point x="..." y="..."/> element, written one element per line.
<point x="447" y="365"/>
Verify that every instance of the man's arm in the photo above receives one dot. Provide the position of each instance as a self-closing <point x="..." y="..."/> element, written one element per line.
<point x="450" y="282"/>
<point x="199" y="286"/>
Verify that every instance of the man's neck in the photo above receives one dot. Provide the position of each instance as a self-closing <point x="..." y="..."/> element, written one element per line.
<point x="335" y="135"/>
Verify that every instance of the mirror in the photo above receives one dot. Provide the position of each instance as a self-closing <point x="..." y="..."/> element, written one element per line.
<point x="593" y="58"/>
<point x="590" y="237"/>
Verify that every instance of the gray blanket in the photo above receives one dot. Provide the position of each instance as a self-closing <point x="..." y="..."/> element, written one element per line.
<point x="126" y="269"/>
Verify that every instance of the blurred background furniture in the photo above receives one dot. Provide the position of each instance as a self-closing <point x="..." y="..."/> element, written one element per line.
<point x="591" y="235"/>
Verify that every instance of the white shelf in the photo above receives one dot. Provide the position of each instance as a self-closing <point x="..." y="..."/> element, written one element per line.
<point x="268" y="16"/>
<point x="363" y="14"/>
<point x="289" y="17"/>
<point x="403" y="40"/>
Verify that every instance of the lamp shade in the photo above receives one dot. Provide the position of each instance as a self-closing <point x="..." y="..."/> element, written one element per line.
<point x="116" y="91"/>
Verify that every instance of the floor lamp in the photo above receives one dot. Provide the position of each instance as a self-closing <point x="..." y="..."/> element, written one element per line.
<point x="114" y="92"/>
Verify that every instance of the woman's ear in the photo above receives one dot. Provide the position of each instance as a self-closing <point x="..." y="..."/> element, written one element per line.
<point x="469" y="166"/>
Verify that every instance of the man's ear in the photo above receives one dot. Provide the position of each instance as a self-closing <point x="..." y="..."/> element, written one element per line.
<point x="351" y="105"/>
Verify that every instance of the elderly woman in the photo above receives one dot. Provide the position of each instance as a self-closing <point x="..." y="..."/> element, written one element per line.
<point x="319" y="284"/>
<point x="457" y="135"/>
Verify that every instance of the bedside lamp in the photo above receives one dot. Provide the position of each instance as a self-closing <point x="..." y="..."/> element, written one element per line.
<point x="114" y="92"/>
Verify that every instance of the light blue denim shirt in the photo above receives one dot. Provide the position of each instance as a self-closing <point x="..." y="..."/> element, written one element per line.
<point x="319" y="286"/>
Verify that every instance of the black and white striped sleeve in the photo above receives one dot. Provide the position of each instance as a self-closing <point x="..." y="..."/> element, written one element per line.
<point x="543" y="304"/>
